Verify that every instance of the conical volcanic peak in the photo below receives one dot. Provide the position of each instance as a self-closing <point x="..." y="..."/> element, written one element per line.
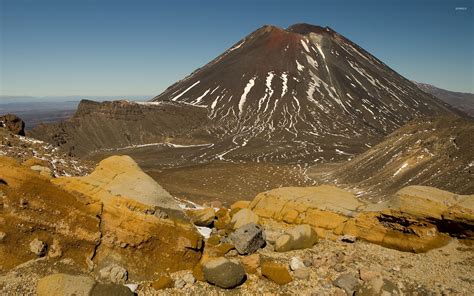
<point x="306" y="84"/>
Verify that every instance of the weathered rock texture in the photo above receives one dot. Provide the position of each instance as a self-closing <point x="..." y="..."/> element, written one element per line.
<point x="116" y="215"/>
<point x="417" y="218"/>
<point x="13" y="124"/>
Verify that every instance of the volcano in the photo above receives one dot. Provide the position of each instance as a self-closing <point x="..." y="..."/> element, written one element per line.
<point x="304" y="94"/>
<point x="300" y="95"/>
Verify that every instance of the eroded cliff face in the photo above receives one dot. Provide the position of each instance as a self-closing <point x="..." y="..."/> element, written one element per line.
<point x="118" y="124"/>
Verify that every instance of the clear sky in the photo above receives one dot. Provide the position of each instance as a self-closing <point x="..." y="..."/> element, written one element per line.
<point x="139" y="47"/>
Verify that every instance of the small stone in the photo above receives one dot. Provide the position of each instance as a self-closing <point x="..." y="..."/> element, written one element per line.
<point x="202" y="217"/>
<point x="251" y="263"/>
<point x="42" y="170"/>
<point x="243" y="217"/>
<point x="189" y="278"/>
<point x="396" y="268"/>
<point x="224" y="273"/>
<point x="302" y="273"/>
<point x="366" y="274"/>
<point x="347" y="282"/>
<point x="38" y="247"/>
<point x="164" y="282"/>
<point x="114" y="273"/>
<point x="179" y="284"/>
<point x="232" y="253"/>
<point x="339" y="268"/>
<point x="348" y="238"/>
<point x="308" y="262"/>
<point x="23" y="203"/>
<point x="296" y="263"/>
<point x="55" y="251"/>
<point x="276" y="272"/>
<point x="2" y="236"/>
<point x="248" y="238"/>
<point x="339" y="292"/>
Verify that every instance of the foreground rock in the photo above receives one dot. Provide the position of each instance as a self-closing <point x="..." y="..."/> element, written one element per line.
<point x="65" y="284"/>
<point x="224" y="273"/>
<point x="243" y="217"/>
<point x="202" y="217"/>
<point x="417" y="218"/>
<point x="276" y="272"/>
<point x="323" y="207"/>
<point x="248" y="238"/>
<point x="115" y="216"/>
<point x="299" y="237"/>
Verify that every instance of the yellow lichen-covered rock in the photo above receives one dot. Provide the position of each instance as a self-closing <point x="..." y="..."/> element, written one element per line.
<point x="33" y="208"/>
<point x="416" y="218"/>
<point x="322" y="206"/>
<point x="244" y="217"/>
<point x="427" y="202"/>
<point x="202" y="217"/>
<point x="116" y="215"/>
<point x="142" y="227"/>
<point x="120" y="176"/>
<point x="240" y="204"/>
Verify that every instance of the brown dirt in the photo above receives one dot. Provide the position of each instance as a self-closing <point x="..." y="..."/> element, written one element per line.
<point x="228" y="182"/>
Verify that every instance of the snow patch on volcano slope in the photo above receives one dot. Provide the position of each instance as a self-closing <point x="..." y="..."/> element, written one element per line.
<point x="243" y="98"/>
<point x="185" y="91"/>
<point x="304" y="45"/>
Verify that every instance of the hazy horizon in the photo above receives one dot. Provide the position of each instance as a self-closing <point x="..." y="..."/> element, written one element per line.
<point x="97" y="48"/>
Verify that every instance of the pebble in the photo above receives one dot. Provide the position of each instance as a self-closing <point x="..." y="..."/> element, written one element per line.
<point x="296" y="263"/>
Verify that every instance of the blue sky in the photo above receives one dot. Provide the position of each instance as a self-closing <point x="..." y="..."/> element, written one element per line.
<point x="139" y="47"/>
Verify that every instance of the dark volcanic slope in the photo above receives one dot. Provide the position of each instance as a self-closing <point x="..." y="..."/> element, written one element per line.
<point x="301" y="94"/>
<point x="119" y="124"/>
<point x="437" y="152"/>
<point x="460" y="101"/>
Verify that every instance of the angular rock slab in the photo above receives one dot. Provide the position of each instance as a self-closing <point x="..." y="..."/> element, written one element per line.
<point x="248" y="238"/>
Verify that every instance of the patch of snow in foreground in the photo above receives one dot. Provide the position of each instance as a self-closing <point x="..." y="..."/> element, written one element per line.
<point x="132" y="287"/>
<point x="204" y="231"/>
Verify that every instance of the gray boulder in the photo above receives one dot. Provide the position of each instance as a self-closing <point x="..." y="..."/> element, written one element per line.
<point x="348" y="282"/>
<point x="111" y="290"/>
<point x="248" y="238"/>
<point x="224" y="273"/>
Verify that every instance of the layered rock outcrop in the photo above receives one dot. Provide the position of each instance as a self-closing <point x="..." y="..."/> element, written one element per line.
<point x="115" y="216"/>
<point x="417" y="218"/>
